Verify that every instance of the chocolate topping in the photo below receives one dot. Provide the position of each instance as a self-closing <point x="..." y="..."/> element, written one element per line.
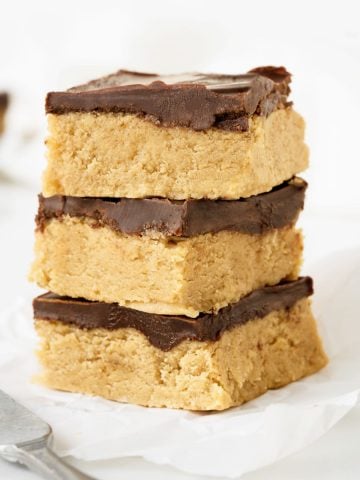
<point x="197" y="101"/>
<point x="182" y="218"/>
<point x="167" y="331"/>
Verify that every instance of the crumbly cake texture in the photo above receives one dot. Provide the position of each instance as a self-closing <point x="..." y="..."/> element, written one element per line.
<point x="123" y="155"/>
<point x="158" y="274"/>
<point x="122" y="365"/>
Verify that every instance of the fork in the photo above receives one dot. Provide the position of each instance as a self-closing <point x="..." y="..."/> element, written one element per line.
<point x="25" y="438"/>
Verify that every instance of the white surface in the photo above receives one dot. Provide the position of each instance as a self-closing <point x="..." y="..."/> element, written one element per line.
<point x="43" y="49"/>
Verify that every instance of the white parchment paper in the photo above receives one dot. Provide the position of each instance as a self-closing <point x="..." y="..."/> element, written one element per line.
<point x="225" y="444"/>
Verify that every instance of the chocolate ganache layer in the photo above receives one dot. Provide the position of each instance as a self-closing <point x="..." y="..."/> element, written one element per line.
<point x="197" y="101"/>
<point x="167" y="331"/>
<point x="182" y="218"/>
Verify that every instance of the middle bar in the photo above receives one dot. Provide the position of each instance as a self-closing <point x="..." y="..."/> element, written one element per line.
<point x="165" y="256"/>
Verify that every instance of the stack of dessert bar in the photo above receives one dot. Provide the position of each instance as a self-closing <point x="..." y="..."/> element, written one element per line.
<point x="4" y="100"/>
<point x="166" y="237"/>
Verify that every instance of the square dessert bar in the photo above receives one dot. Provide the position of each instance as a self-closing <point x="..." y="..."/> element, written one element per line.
<point x="168" y="257"/>
<point x="4" y="100"/>
<point x="137" y="135"/>
<point x="213" y="362"/>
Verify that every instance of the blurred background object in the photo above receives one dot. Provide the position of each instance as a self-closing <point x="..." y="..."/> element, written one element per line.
<point x="4" y="101"/>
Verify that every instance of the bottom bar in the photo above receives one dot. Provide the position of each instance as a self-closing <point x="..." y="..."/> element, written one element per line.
<point x="249" y="356"/>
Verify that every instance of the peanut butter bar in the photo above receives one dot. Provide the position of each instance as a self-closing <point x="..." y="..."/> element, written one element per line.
<point x="168" y="257"/>
<point x="138" y="135"/>
<point x="216" y="361"/>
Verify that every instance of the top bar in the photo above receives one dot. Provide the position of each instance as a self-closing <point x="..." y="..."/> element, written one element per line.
<point x="191" y="136"/>
<point x="197" y="101"/>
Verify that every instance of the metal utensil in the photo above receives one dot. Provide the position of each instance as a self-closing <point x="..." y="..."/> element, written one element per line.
<point x="26" y="439"/>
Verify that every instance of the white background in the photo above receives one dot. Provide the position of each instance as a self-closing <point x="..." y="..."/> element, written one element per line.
<point x="48" y="45"/>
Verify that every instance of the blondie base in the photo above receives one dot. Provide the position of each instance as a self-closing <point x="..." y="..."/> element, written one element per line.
<point x="158" y="274"/>
<point x="122" y="155"/>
